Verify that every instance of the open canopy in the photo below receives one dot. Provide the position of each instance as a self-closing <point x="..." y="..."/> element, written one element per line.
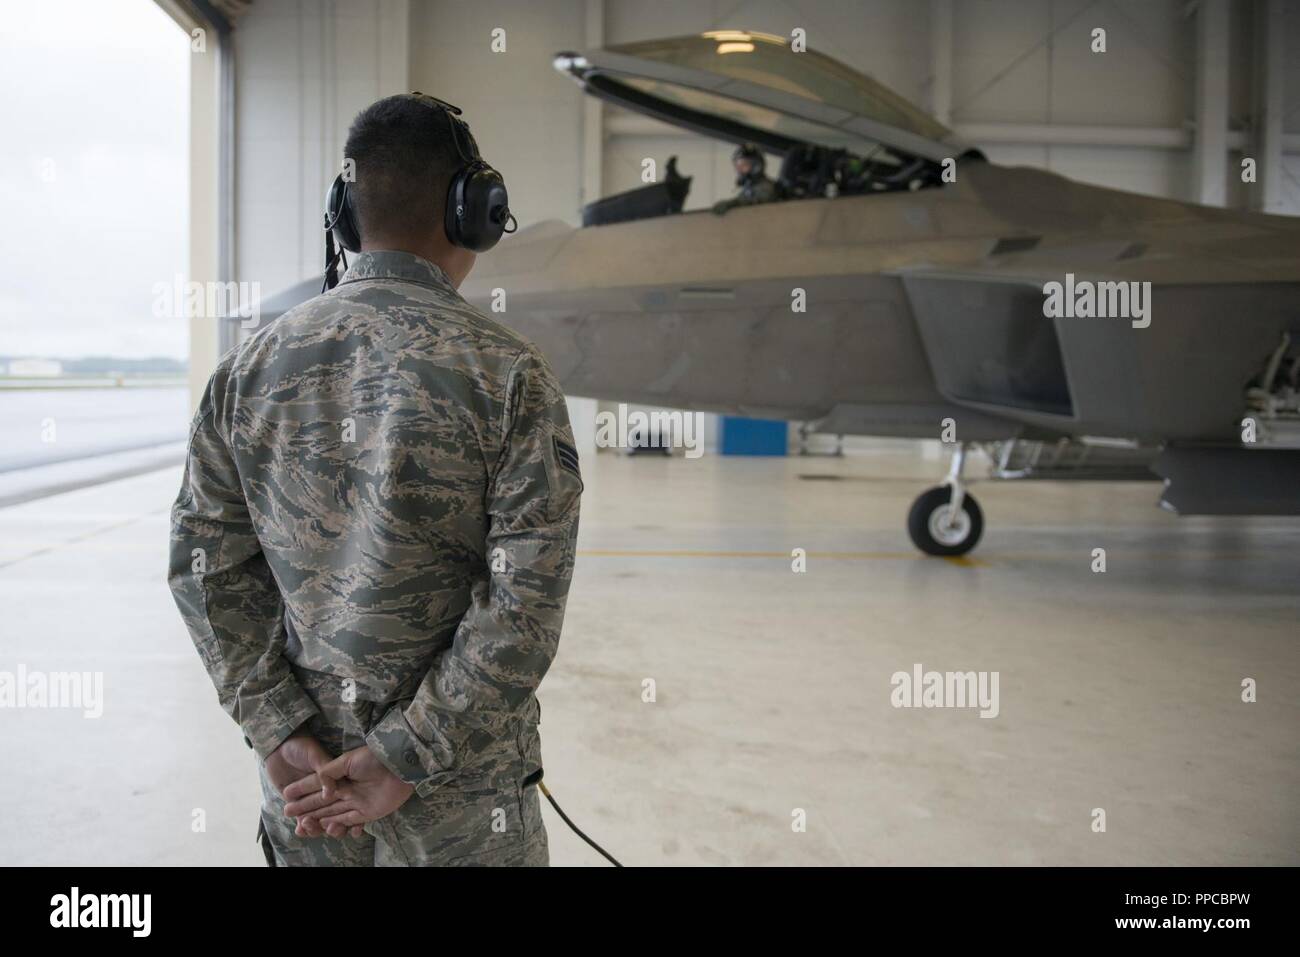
<point x="743" y="86"/>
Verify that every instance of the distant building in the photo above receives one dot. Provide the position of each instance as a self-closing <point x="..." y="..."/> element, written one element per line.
<point x="35" y="367"/>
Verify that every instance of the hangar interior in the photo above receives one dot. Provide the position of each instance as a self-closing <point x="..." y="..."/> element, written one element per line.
<point x="723" y="693"/>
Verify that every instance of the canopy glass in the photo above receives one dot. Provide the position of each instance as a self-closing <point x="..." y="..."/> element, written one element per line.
<point x="757" y="81"/>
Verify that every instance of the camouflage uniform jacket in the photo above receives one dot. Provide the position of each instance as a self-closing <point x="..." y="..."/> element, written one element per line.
<point x="381" y="487"/>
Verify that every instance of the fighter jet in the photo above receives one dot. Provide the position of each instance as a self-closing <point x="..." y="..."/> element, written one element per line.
<point x="905" y="286"/>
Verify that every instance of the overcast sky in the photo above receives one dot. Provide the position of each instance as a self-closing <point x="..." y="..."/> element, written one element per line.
<point x="93" y="176"/>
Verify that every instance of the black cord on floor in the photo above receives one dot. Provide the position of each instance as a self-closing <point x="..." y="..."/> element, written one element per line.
<point x="573" y="827"/>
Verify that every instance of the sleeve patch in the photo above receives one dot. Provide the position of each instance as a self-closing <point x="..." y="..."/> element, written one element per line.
<point x="566" y="455"/>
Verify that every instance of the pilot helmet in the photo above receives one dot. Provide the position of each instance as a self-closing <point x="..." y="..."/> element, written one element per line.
<point x="748" y="161"/>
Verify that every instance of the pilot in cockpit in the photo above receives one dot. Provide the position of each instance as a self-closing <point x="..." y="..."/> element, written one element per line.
<point x="754" y="185"/>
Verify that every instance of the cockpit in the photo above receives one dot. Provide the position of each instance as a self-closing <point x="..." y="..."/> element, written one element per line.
<point x="837" y="131"/>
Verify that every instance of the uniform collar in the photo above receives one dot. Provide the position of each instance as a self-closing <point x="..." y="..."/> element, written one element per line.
<point x="395" y="264"/>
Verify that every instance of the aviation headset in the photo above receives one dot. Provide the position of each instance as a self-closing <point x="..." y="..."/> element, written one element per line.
<point x="477" y="210"/>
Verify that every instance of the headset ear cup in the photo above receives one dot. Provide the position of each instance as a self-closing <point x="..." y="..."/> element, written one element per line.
<point x="341" y="215"/>
<point x="454" y="212"/>
<point x="349" y="231"/>
<point x="477" y="208"/>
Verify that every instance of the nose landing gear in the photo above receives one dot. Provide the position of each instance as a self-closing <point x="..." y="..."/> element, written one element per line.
<point x="945" y="520"/>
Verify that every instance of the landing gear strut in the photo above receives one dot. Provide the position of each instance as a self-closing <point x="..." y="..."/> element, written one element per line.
<point x="945" y="520"/>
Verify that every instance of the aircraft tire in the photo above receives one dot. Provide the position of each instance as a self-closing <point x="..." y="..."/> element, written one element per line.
<point x="929" y="511"/>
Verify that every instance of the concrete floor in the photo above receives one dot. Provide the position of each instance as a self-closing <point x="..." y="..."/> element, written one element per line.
<point x="1118" y="691"/>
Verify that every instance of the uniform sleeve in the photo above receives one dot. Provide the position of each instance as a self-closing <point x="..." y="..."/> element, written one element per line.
<point x="227" y="595"/>
<point x="504" y="644"/>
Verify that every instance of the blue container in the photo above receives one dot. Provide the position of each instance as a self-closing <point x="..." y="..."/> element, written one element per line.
<point x="754" y="436"/>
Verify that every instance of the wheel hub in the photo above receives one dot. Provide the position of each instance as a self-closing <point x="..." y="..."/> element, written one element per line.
<point x="947" y="528"/>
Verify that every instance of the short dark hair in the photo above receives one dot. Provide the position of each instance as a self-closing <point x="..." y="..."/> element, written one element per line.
<point x="405" y="158"/>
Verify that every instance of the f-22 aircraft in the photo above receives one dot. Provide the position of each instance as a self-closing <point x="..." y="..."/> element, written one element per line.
<point x="1071" y="331"/>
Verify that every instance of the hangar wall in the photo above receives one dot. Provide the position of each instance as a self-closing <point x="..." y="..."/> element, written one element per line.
<point x="526" y="118"/>
<point x="302" y="71"/>
<point x="1022" y="83"/>
<point x="1017" y="69"/>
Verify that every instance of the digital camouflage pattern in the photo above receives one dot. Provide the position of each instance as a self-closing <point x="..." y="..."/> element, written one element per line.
<point x="376" y="527"/>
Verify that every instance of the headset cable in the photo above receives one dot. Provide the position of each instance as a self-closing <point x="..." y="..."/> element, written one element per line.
<point x="573" y="827"/>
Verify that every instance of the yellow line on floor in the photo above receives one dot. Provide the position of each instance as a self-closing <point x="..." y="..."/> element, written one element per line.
<point x="81" y="543"/>
<point x="81" y="539"/>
